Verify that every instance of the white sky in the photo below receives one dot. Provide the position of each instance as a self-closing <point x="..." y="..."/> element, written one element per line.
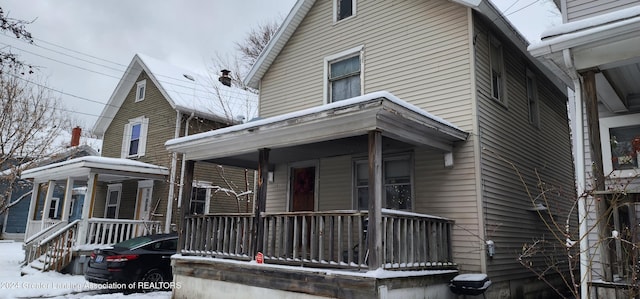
<point x="83" y="47"/>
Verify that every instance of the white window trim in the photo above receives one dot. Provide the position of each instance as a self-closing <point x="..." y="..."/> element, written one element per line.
<point x="126" y="137"/>
<point x="359" y="50"/>
<point x="110" y="188"/>
<point x="335" y="11"/>
<point x="141" y="84"/>
<point x="605" y="136"/>
<point x="207" y="201"/>
<point x="390" y="157"/>
<point x="536" y="99"/>
<point x="503" y="80"/>
<point x="57" y="204"/>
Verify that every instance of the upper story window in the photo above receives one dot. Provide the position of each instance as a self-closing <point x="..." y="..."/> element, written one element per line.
<point x="135" y="137"/>
<point x="620" y="137"/>
<point x="498" y="81"/>
<point x="397" y="178"/>
<point x="343" y="9"/>
<point x="141" y="87"/>
<point x="344" y="75"/>
<point x="532" y="99"/>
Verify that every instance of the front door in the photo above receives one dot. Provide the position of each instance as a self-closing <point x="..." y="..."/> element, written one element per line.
<point x="144" y="206"/>
<point x="303" y="186"/>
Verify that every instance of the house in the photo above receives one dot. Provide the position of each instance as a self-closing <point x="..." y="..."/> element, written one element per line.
<point x="131" y="189"/>
<point x="596" y="48"/>
<point x="15" y="219"/>
<point x="387" y="148"/>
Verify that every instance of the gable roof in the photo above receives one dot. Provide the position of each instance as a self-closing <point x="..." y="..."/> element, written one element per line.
<point x="302" y="7"/>
<point x="186" y="91"/>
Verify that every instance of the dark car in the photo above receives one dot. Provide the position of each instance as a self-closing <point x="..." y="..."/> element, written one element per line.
<point x="141" y="259"/>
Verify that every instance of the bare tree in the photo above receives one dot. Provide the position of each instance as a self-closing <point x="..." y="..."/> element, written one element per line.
<point x="256" y="40"/>
<point x="8" y="60"/>
<point x="31" y="120"/>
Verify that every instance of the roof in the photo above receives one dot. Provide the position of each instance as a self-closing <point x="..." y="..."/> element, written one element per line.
<point x="83" y="166"/>
<point x="302" y="7"/>
<point x="186" y="91"/>
<point x="333" y="129"/>
<point x="61" y="155"/>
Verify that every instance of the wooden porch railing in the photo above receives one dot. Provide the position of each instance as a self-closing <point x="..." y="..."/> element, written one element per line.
<point x="55" y="251"/>
<point x="105" y="231"/>
<point x="324" y="239"/>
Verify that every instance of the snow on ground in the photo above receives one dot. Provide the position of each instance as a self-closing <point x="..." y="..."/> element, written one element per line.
<point x="52" y="285"/>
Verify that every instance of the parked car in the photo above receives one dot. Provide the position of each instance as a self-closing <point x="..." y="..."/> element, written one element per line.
<point x="144" y="261"/>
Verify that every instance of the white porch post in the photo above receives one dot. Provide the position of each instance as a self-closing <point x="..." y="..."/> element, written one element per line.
<point x="68" y="193"/>
<point x="47" y="204"/>
<point x="87" y="208"/>
<point x="32" y="209"/>
<point x="374" y="229"/>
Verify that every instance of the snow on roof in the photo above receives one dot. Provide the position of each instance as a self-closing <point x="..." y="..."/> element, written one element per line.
<point x="105" y="162"/>
<point x="203" y="95"/>
<point x="599" y="20"/>
<point x="312" y="110"/>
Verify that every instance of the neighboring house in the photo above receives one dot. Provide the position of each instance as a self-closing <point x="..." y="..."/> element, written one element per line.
<point x="14" y="222"/>
<point x="598" y="48"/>
<point x="131" y="189"/>
<point x="384" y="153"/>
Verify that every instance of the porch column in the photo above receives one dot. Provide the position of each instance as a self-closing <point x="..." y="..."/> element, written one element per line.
<point x="593" y="123"/>
<point x="47" y="204"/>
<point x="187" y="186"/>
<point x="68" y="192"/>
<point x="87" y="208"/>
<point x="32" y="209"/>
<point x="260" y="200"/>
<point x="374" y="231"/>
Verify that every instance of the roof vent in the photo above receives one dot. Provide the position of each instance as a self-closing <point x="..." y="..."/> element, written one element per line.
<point x="189" y="77"/>
<point x="224" y="78"/>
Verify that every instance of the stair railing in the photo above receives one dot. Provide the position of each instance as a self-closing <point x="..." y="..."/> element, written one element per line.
<point x="56" y="249"/>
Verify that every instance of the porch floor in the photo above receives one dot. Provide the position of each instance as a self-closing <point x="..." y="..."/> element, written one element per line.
<point x="197" y="275"/>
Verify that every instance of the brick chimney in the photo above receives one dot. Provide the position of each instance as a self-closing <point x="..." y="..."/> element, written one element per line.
<point x="75" y="136"/>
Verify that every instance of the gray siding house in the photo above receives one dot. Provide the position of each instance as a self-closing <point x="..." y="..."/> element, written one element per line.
<point x="598" y="48"/>
<point x="388" y="149"/>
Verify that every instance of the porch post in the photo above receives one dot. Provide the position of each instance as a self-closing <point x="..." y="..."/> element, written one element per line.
<point x="374" y="231"/>
<point x="593" y="123"/>
<point x="47" y="204"/>
<point x="68" y="192"/>
<point x="87" y="209"/>
<point x="187" y="186"/>
<point x="260" y="200"/>
<point x="32" y="209"/>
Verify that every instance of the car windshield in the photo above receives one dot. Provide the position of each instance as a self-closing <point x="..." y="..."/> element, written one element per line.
<point x="132" y="243"/>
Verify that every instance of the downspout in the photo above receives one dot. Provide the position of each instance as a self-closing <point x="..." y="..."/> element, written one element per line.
<point x="184" y="160"/>
<point x="172" y="178"/>
<point x="578" y="121"/>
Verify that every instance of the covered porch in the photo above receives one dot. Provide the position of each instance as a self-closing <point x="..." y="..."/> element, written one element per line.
<point x="376" y="228"/>
<point x="84" y="203"/>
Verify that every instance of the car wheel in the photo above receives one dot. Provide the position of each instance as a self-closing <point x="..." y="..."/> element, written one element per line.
<point x="153" y="275"/>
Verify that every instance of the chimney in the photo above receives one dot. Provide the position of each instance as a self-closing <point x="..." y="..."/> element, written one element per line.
<point x="225" y="79"/>
<point x="75" y="136"/>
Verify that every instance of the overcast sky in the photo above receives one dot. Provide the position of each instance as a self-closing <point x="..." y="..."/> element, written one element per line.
<point x="83" y="47"/>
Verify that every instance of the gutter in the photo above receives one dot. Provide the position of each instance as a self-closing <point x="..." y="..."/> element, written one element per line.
<point x="184" y="160"/>
<point x="172" y="178"/>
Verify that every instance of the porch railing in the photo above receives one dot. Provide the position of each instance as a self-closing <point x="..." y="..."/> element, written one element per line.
<point x="55" y="251"/>
<point x="327" y="239"/>
<point x="104" y="231"/>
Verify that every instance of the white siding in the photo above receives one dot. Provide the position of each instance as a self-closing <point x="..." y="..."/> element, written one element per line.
<point x="581" y="9"/>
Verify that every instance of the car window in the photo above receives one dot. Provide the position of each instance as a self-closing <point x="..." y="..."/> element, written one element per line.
<point x="131" y="243"/>
<point x="163" y="245"/>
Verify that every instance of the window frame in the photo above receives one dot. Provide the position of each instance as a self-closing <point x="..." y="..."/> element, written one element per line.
<point x="207" y="200"/>
<point x="606" y="124"/>
<point x="501" y="98"/>
<point x="533" y="100"/>
<point x="127" y="137"/>
<point x="336" y="8"/>
<point x="113" y="188"/>
<point x="55" y="205"/>
<point x="329" y="60"/>
<point x="141" y="86"/>
<point x="386" y="158"/>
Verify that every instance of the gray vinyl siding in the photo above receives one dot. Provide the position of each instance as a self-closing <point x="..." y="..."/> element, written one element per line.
<point x="420" y="51"/>
<point x="582" y="9"/>
<point x="512" y="147"/>
<point x="277" y="190"/>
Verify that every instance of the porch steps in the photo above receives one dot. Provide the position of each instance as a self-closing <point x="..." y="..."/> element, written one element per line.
<point x="46" y="261"/>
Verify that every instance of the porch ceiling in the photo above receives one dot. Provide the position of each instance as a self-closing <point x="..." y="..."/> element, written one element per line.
<point x="335" y="129"/>
<point x="108" y="169"/>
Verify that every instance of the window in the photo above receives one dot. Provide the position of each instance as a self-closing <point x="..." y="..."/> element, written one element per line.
<point x="497" y="71"/>
<point x="140" y="90"/>
<point x="343" y="9"/>
<point x="53" y="208"/>
<point x="532" y="99"/>
<point x="397" y="183"/>
<point x="620" y="137"/>
<point x="344" y="75"/>
<point x="113" y="201"/>
<point x="200" y="195"/>
<point x="135" y="137"/>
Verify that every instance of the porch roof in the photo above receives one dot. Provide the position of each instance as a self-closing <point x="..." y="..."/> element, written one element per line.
<point x="109" y="169"/>
<point x="338" y="128"/>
